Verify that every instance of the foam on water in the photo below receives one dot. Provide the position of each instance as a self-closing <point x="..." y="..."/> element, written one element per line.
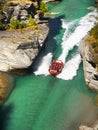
<point x="67" y="26"/>
<point x="70" y="39"/>
<point x="44" y="66"/>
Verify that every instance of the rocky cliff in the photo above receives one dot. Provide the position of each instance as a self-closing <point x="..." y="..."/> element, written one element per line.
<point x="18" y="49"/>
<point x="89" y="55"/>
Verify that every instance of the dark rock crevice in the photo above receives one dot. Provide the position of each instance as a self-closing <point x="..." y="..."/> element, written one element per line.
<point x="95" y="77"/>
<point x="92" y="63"/>
<point x="34" y="45"/>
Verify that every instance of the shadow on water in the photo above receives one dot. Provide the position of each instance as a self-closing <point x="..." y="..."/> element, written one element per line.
<point x="5" y="116"/>
<point x="49" y="45"/>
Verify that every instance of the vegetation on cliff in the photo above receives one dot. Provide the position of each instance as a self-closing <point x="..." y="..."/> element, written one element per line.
<point x="16" y="14"/>
<point x="93" y="37"/>
<point x="16" y="24"/>
<point x="94" y="33"/>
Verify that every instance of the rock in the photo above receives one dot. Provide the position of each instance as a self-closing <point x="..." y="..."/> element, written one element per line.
<point x="6" y="85"/>
<point x="7" y="15"/>
<point x="16" y="12"/>
<point x="22" y="12"/>
<point x="93" y="127"/>
<point x="23" y="15"/>
<point x="82" y="127"/>
<point x="19" y="12"/>
<point x="89" y="65"/>
<point x="18" y="49"/>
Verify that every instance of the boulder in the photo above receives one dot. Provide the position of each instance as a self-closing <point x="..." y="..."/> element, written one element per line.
<point x="23" y="15"/>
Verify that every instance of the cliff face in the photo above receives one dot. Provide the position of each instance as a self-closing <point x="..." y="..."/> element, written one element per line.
<point x="89" y="65"/>
<point x="18" y="49"/>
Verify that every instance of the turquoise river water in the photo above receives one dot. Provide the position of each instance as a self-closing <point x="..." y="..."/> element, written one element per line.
<point x="40" y="101"/>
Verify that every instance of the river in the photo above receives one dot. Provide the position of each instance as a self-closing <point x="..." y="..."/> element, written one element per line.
<point x="40" y="101"/>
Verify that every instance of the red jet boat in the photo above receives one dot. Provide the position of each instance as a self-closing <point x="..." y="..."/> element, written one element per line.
<point x="56" y="67"/>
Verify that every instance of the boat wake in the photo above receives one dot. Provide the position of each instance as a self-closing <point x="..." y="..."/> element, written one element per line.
<point x="82" y="29"/>
<point x="70" y="68"/>
<point x="75" y="32"/>
<point x="44" y="66"/>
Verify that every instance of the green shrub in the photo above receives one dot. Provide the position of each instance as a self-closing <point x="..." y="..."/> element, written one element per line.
<point x="43" y="7"/>
<point x="21" y="24"/>
<point x="32" y="23"/>
<point x="16" y="24"/>
<point x="13" y="23"/>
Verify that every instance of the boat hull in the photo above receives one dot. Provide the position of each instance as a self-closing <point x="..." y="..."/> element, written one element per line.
<point x="56" y="67"/>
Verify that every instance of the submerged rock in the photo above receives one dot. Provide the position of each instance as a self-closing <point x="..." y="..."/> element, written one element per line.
<point x="82" y="127"/>
<point x="93" y="127"/>
<point x="6" y="85"/>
